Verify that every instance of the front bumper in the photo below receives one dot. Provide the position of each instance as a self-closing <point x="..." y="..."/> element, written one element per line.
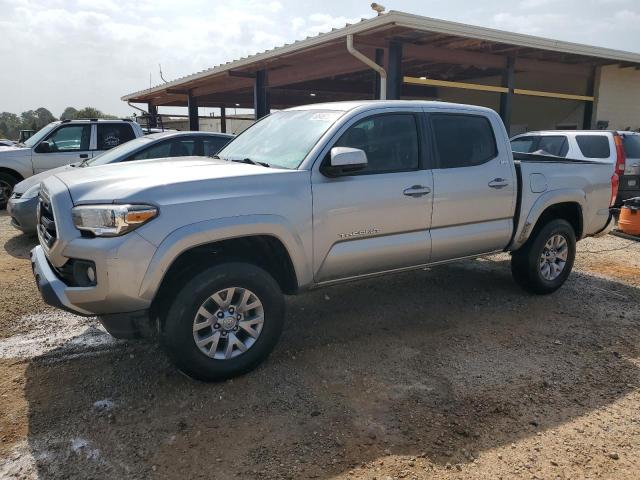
<point x="23" y="213"/>
<point x="52" y="289"/>
<point x="54" y="292"/>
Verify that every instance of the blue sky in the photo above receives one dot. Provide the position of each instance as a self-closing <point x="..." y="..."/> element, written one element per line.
<point x="57" y="53"/>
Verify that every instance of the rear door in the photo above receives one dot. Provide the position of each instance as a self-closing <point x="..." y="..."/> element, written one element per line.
<point x="474" y="186"/>
<point x="630" y="180"/>
<point x="110" y="135"/>
<point x="67" y="144"/>
<point x="376" y="219"/>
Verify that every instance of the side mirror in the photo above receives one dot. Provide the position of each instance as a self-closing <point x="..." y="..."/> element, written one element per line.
<point x="345" y="161"/>
<point x="43" y="147"/>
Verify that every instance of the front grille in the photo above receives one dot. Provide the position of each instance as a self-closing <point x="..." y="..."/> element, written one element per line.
<point x="46" y="221"/>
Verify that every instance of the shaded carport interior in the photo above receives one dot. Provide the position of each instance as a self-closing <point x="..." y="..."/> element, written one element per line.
<point x="518" y="75"/>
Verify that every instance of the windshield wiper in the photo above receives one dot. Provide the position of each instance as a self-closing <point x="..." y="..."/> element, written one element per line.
<point x="251" y="162"/>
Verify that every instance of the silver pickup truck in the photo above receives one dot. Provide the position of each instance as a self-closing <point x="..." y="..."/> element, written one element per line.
<point x="202" y="252"/>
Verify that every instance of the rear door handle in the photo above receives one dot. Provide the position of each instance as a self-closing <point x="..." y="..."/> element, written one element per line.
<point x="498" y="183"/>
<point x="84" y="155"/>
<point x="416" y="191"/>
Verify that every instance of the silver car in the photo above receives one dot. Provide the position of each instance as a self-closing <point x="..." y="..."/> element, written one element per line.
<point x="24" y="200"/>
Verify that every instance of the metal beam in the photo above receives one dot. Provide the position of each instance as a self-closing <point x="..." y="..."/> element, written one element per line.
<point x="223" y="119"/>
<point x="379" y="59"/>
<point x="587" y="119"/>
<point x="192" y="109"/>
<point x="153" y="115"/>
<point x="260" y="95"/>
<point x="506" y="98"/>
<point x="394" y="71"/>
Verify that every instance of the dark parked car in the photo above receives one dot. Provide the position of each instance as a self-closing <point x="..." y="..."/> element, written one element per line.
<point x="24" y="200"/>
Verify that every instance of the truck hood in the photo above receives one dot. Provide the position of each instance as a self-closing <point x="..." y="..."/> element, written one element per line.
<point x="153" y="180"/>
<point x="26" y="184"/>
<point x="15" y="152"/>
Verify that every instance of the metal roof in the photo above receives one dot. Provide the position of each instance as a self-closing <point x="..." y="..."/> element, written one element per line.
<point x="414" y="22"/>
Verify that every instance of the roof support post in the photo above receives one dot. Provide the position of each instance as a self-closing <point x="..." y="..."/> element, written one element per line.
<point x="506" y="99"/>
<point x="394" y="71"/>
<point x="153" y="115"/>
<point x="223" y="120"/>
<point x="376" y="85"/>
<point x="587" y="119"/>
<point x="261" y="106"/>
<point x="192" y="107"/>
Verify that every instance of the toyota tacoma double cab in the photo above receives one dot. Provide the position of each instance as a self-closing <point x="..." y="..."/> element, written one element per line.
<point x="60" y="143"/>
<point x="201" y="253"/>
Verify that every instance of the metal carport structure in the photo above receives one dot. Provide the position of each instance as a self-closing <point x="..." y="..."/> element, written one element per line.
<point x="420" y="57"/>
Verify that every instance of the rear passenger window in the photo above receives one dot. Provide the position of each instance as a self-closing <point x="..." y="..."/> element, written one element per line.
<point x="594" y="146"/>
<point x="169" y="148"/>
<point x="553" y="145"/>
<point x="523" y="144"/>
<point x="390" y="142"/>
<point x="113" y="134"/>
<point x="463" y="140"/>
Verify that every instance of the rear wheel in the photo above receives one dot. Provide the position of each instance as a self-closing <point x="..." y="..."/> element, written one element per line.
<point x="224" y="322"/>
<point x="7" y="182"/>
<point x="544" y="263"/>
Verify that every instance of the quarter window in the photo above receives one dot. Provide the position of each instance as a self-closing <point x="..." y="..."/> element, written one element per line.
<point x="594" y="146"/>
<point x="113" y="134"/>
<point x="390" y="142"/>
<point x="463" y="140"/>
<point x="212" y="145"/>
<point x="70" y="138"/>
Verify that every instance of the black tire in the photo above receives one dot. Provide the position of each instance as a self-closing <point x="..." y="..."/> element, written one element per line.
<point x="525" y="262"/>
<point x="7" y="182"/>
<point x="177" y="334"/>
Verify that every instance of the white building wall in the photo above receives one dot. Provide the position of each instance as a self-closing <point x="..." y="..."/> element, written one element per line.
<point x="618" y="97"/>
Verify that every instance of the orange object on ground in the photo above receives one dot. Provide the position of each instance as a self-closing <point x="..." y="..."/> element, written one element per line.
<point x="629" y="221"/>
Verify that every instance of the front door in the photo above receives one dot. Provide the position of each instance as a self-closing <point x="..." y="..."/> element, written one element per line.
<point x="474" y="187"/>
<point x="376" y="219"/>
<point x="66" y="144"/>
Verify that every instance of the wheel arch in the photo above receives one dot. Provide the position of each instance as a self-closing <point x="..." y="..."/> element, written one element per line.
<point x="567" y="205"/>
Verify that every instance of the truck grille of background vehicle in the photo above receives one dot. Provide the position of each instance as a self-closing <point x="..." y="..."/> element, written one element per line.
<point x="46" y="222"/>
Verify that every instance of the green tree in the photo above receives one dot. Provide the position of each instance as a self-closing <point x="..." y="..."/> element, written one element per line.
<point x="69" y="113"/>
<point x="91" y="112"/>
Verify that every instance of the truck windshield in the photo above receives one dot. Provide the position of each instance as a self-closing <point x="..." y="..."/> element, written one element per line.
<point x="283" y="139"/>
<point x="39" y="135"/>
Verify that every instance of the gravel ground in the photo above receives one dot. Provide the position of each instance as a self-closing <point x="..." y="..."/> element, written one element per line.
<point x="453" y="372"/>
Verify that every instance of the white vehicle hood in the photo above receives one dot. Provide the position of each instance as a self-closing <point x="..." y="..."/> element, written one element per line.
<point x="155" y="181"/>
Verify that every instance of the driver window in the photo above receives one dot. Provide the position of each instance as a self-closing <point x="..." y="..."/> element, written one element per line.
<point x="70" y="138"/>
<point x="390" y="142"/>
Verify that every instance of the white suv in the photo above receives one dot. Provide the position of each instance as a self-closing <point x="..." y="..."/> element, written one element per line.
<point x="619" y="148"/>
<point x="60" y="143"/>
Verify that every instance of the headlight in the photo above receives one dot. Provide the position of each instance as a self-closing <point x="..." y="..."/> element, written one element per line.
<point x="111" y="220"/>
<point x="32" y="192"/>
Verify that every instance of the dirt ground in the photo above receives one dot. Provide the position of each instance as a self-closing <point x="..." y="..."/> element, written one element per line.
<point x="453" y="372"/>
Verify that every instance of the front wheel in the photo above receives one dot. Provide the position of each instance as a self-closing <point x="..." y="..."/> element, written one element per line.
<point x="7" y="182"/>
<point x="544" y="263"/>
<point x="224" y="322"/>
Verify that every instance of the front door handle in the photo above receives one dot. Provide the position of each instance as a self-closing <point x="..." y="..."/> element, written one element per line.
<point x="84" y="155"/>
<point x="416" y="191"/>
<point x="498" y="183"/>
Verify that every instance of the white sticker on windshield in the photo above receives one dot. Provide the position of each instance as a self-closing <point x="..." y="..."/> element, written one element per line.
<point x="325" y="116"/>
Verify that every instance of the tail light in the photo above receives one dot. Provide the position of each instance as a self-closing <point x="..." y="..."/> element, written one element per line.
<point x="621" y="158"/>
<point x="615" y="181"/>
